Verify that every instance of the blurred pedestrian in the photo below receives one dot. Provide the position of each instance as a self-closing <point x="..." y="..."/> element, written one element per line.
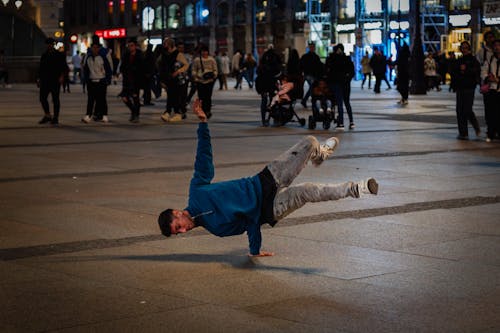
<point x="249" y="64"/>
<point x="367" y="70"/>
<point x="76" y="60"/>
<point x="4" y="72"/>
<point x="490" y="75"/>
<point x="268" y="71"/>
<point x="149" y="72"/>
<point x="430" y="73"/>
<point x="378" y="63"/>
<point x="132" y="69"/>
<point x="312" y="69"/>
<point x="98" y="72"/>
<point x="467" y="75"/>
<point x="403" y="73"/>
<point x="226" y="70"/>
<point x="204" y="73"/>
<point x="50" y="77"/>
<point x="236" y="64"/>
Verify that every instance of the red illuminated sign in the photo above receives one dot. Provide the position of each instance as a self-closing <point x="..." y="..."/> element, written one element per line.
<point x="112" y="33"/>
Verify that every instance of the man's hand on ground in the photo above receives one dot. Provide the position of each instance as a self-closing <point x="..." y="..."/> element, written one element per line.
<point x="198" y="111"/>
<point x="262" y="254"/>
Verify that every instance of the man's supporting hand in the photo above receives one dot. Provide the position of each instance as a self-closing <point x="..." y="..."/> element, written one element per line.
<point x="262" y="254"/>
<point x="198" y="111"/>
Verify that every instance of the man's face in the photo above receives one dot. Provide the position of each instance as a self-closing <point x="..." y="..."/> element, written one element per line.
<point x="95" y="49"/>
<point x="131" y="47"/>
<point x="181" y="222"/>
<point x="496" y="47"/>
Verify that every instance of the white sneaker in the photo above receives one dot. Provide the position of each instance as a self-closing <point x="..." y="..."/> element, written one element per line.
<point x="329" y="110"/>
<point x="176" y="118"/>
<point x="368" y="186"/>
<point x="488" y="139"/>
<point x="405" y="102"/>
<point x="105" y="119"/>
<point x="321" y="110"/>
<point x="165" y="117"/>
<point x="86" y="119"/>
<point x="325" y="150"/>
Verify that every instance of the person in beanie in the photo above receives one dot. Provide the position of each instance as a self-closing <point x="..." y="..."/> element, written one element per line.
<point x="242" y="205"/>
<point x="132" y="69"/>
<point x="50" y="77"/>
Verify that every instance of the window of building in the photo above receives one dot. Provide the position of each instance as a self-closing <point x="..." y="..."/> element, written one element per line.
<point x="403" y="5"/>
<point x="300" y="10"/>
<point x="373" y="6"/>
<point x="174" y="13"/>
<point x="347" y="9"/>
<point x="148" y="17"/>
<point x="278" y="10"/>
<point x="429" y="3"/>
<point x="240" y="12"/>
<point x="260" y="10"/>
<point x="202" y="12"/>
<point x="222" y="13"/>
<point x="189" y="15"/>
<point x="160" y="18"/>
<point x="459" y="4"/>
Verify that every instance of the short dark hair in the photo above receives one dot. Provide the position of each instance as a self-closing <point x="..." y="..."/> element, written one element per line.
<point x="164" y="221"/>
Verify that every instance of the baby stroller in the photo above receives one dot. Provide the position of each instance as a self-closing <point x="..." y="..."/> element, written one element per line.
<point x="323" y="105"/>
<point x="284" y="111"/>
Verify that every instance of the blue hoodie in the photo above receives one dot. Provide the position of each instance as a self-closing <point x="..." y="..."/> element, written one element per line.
<point x="226" y="208"/>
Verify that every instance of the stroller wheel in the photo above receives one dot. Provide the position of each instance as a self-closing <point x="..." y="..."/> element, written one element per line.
<point x="302" y="121"/>
<point x="326" y="124"/>
<point x="312" y="123"/>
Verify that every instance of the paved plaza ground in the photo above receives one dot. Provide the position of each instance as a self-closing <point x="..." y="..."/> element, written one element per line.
<point x="80" y="249"/>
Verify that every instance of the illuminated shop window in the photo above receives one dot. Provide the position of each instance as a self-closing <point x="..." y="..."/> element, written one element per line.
<point x="300" y="10"/>
<point x="203" y="12"/>
<point x="148" y="17"/>
<point x="459" y="4"/>
<point x="347" y="9"/>
<point x="174" y="13"/>
<point x="161" y="18"/>
<point x="222" y="13"/>
<point x="239" y="12"/>
<point x="403" y="5"/>
<point x="260" y="10"/>
<point x="189" y="15"/>
<point x="373" y="6"/>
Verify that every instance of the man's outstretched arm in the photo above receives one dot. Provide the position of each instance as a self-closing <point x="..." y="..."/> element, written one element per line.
<point x="203" y="165"/>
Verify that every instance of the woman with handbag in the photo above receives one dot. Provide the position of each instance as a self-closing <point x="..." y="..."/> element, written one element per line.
<point x="490" y="75"/>
<point x="204" y="73"/>
<point x="466" y="76"/>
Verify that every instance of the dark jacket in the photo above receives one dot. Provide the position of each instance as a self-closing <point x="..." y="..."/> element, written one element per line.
<point x="132" y="70"/>
<point x="269" y="69"/>
<point x="311" y="64"/>
<point x="52" y="66"/>
<point x="225" y="208"/>
<point x="378" y="63"/>
<point x="339" y="68"/>
<point x="468" y="78"/>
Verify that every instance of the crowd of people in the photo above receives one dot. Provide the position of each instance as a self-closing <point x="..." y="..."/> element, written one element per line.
<point x="280" y="78"/>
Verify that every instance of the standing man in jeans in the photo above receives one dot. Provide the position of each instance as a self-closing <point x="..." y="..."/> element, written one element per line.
<point x="50" y="77"/>
<point x="312" y="68"/>
<point x="242" y="205"/>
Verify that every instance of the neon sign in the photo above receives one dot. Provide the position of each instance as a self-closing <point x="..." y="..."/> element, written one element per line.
<point x="112" y="33"/>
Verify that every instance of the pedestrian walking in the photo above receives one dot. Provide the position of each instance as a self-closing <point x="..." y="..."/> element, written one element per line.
<point x="339" y="73"/>
<point x="204" y="73"/>
<point x="132" y="69"/>
<point x="378" y="63"/>
<point x="98" y="73"/>
<point x="149" y="73"/>
<point x="226" y="70"/>
<point x="312" y="69"/>
<point x="268" y="71"/>
<point x="243" y="205"/>
<point x="50" y="78"/>
<point x="76" y="60"/>
<point x="367" y="70"/>
<point x="467" y="75"/>
<point x="430" y="73"/>
<point x="403" y="73"/>
<point x="490" y="76"/>
<point x="172" y="67"/>
<point x="236" y="64"/>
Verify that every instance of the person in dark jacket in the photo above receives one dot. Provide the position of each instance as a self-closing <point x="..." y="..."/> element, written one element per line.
<point x="268" y="71"/>
<point x="149" y="72"/>
<point x="50" y="77"/>
<point x="339" y="72"/>
<point x="378" y="63"/>
<point x="403" y="73"/>
<point x="467" y="73"/>
<point x="312" y="69"/>
<point x="132" y="69"/>
<point x="242" y="205"/>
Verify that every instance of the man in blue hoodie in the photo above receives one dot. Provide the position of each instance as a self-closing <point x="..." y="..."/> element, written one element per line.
<point x="232" y="207"/>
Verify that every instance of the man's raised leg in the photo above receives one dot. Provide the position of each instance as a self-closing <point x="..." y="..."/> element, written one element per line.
<point x="294" y="197"/>
<point x="289" y="164"/>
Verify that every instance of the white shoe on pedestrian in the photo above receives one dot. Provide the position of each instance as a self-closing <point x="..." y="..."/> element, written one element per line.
<point x="86" y="119"/>
<point x="176" y="118"/>
<point x="105" y="119"/>
<point x="165" y="117"/>
<point x="325" y="150"/>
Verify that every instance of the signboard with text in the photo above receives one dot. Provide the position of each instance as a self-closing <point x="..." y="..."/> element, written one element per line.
<point x="112" y="33"/>
<point x="492" y="9"/>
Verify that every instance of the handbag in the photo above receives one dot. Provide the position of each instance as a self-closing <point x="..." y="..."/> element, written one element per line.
<point x="208" y="75"/>
<point x="484" y="88"/>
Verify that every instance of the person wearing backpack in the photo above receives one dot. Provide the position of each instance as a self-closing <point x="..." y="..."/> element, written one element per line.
<point x="98" y="68"/>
